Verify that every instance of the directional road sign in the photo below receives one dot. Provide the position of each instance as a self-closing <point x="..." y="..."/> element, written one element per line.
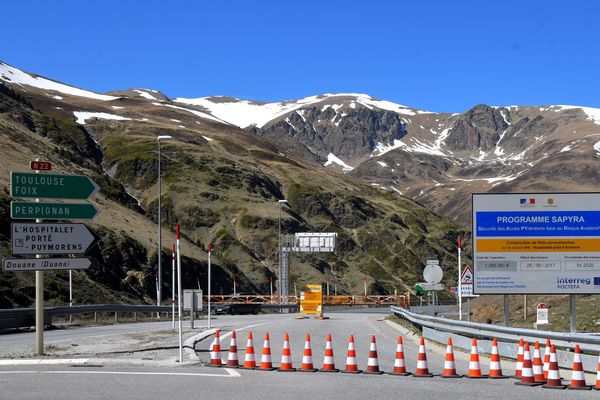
<point x="51" y="186"/>
<point x="22" y="210"/>
<point x="44" y="264"/>
<point x="29" y="238"/>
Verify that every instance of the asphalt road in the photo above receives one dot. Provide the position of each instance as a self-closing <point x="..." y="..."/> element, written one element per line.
<point x="196" y="381"/>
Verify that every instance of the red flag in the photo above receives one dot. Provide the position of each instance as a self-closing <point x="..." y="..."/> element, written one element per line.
<point x="209" y="247"/>
<point x="178" y="232"/>
<point x="459" y="241"/>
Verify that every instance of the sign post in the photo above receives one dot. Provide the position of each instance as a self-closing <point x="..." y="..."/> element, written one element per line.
<point x="459" y="282"/>
<point x="39" y="238"/>
<point x="179" y="296"/>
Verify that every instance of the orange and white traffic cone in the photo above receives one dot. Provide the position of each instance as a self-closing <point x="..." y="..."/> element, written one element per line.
<point x="265" y="361"/>
<point x="547" y="358"/>
<point x="577" y="374"/>
<point x="215" y="352"/>
<point x="373" y="362"/>
<point x="286" y="356"/>
<point x="538" y="366"/>
<point x="328" y="362"/>
<point x="553" y="381"/>
<point x="232" y="356"/>
<point x="422" y="371"/>
<point x="519" y="367"/>
<point x="474" y="367"/>
<point x="249" y="359"/>
<point x="527" y="371"/>
<point x="597" y="386"/>
<point x="351" y="365"/>
<point x="399" y="362"/>
<point x="495" y="365"/>
<point x="307" y="361"/>
<point x="449" y="365"/>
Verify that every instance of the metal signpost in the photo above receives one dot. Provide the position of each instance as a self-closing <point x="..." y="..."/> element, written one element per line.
<point x="40" y="238"/>
<point x="537" y="243"/>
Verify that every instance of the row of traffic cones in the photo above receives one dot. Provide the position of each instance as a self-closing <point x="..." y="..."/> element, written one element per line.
<point x="530" y="372"/>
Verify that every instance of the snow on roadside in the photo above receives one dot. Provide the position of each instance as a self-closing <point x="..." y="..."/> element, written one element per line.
<point x="14" y="75"/>
<point x="332" y="159"/>
<point x="82" y="116"/>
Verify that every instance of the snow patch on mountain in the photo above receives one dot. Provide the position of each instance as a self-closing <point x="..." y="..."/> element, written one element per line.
<point x="597" y="147"/>
<point x="593" y="114"/>
<point x="13" y="75"/>
<point x="82" y="116"/>
<point x="195" y="112"/>
<point x="145" y="94"/>
<point x="245" y="113"/>
<point x="332" y="159"/>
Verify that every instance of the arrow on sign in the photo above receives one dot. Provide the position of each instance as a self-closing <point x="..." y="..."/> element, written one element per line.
<point x="44" y="264"/>
<point x="22" y="210"/>
<point x="50" y="238"/>
<point x="51" y="186"/>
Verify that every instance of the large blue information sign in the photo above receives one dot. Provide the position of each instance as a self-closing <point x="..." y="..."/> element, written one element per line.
<point x="536" y="243"/>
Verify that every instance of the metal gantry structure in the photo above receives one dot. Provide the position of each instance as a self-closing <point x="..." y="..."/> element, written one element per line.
<point x="320" y="242"/>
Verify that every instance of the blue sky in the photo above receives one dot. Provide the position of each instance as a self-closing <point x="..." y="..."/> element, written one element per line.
<point x="437" y="55"/>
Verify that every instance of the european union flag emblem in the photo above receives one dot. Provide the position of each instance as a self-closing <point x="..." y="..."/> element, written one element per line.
<point x="597" y="281"/>
<point x="523" y="201"/>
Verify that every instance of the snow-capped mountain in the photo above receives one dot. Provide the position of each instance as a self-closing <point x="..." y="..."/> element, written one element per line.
<point x="437" y="158"/>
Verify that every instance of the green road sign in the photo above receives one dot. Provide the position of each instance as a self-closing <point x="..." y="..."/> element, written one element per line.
<point x="51" y="186"/>
<point x="22" y="210"/>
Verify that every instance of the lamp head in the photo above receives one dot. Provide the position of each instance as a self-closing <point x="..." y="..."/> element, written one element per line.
<point x="163" y="137"/>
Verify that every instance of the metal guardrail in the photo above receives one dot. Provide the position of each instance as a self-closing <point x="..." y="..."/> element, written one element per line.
<point x="587" y="342"/>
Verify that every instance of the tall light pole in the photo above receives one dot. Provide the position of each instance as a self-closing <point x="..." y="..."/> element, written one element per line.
<point x="280" y="203"/>
<point x="159" y="288"/>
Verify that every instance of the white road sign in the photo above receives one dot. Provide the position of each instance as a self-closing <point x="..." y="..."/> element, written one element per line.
<point x="536" y="243"/>
<point x="50" y="238"/>
<point x="44" y="264"/>
<point x="542" y="314"/>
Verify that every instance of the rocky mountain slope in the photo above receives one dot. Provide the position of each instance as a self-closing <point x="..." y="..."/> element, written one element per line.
<point x="222" y="183"/>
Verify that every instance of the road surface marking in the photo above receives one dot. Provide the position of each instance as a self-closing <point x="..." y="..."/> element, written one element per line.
<point x="230" y="373"/>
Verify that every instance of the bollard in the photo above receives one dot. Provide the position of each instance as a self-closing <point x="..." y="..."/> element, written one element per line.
<point x="95" y="316"/>
<point x="135" y="316"/>
<point x="116" y="318"/>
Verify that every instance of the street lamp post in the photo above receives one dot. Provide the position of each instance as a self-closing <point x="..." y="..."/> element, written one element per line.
<point x="280" y="202"/>
<point x="159" y="288"/>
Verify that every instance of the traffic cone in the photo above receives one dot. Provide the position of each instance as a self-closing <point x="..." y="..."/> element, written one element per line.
<point x="215" y="352"/>
<point x="597" y="386"/>
<point x="373" y="362"/>
<point x="328" y="362"/>
<point x="577" y="374"/>
<point x="495" y="366"/>
<point x="249" y="360"/>
<point x="286" y="356"/>
<point x="519" y="368"/>
<point x="547" y="358"/>
<point x="351" y="366"/>
<point x="527" y="371"/>
<point x="449" y="365"/>
<point x="474" y="367"/>
<point x="232" y="357"/>
<point x="307" y="361"/>
<point x="399" y="364"/>
<point x="553" y="381"/>
<point x="538" y="367"/>
<point x="422" y="371"/>
<point x="265" y="361"/>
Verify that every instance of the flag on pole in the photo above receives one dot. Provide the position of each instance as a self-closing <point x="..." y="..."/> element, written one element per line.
<point x="459" y="241"/>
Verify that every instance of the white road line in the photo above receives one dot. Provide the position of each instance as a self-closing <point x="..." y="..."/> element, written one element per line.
<point x="230" y="373"/>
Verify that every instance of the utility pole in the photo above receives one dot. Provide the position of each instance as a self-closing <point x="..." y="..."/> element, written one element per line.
<point x="159" y="281"/>
<point x="282" y="280"/>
